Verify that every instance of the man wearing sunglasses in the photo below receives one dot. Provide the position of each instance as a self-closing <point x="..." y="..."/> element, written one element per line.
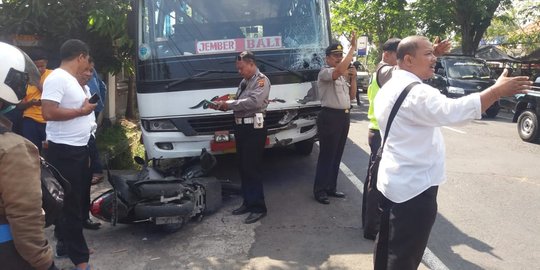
<point x="250" y="132"/>
<point x="336" y="93"/>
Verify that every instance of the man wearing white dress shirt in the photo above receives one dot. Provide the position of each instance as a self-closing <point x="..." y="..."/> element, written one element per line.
<point x="66" y="108"/>
<point x="412" y="164"/>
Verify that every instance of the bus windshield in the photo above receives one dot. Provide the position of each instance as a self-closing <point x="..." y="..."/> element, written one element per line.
<point x="468" y="69"/>
<point x="179" y="28"/>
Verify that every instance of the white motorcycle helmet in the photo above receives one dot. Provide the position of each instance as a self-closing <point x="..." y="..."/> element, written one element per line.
<point x="16" y="71"/>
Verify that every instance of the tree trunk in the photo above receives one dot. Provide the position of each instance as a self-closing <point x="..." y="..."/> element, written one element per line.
<point x="130" y="105"/>
<point x="474" y="25"/>
<point x="131" y="97"/>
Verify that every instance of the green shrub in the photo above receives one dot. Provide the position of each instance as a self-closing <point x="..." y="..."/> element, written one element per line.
<point x="118" y="145"/>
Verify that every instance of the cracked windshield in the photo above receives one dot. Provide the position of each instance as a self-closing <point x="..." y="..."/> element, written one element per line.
<point x="173" y="28"/>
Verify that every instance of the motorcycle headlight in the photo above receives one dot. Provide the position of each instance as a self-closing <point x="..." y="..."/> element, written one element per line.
<point x="456" y="90"/>
<point x="159" y="125"/>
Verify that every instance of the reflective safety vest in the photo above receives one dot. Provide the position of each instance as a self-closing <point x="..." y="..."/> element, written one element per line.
<point x="372" y="91"/>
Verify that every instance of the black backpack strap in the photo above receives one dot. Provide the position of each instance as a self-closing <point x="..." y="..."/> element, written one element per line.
<point x="395" y="109"/>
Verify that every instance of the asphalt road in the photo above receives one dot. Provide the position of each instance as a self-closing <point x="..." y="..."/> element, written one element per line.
<point x="487" y="213"/>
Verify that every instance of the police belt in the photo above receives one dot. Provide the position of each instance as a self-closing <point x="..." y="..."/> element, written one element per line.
<point x="243" y="120"/>
<point x="336" y="110"/>
<point x="5" y="233"/>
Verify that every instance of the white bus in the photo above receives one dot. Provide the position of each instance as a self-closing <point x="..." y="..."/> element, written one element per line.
<point x="186" y="54"/>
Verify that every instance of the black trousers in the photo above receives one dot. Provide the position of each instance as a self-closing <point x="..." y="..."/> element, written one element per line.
<point x="94" y="160"/>
<point x="333" y="128"/>
<point x="11" y="259"/>
<point x="250" y="144"/>
<point x="404" y="231"/>
<point x="34" y="131"/>
<point x="73" y="164"/>
<point x="371" y="214"/>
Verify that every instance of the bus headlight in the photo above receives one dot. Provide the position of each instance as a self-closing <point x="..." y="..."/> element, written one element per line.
<point x="158" y="125"/>
<point x="456" y="90"/>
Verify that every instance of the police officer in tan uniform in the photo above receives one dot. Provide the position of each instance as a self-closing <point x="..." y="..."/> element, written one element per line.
<point x="22" y="239"/>
<point x="250" y="132"/>
<point x="337" y="86"/>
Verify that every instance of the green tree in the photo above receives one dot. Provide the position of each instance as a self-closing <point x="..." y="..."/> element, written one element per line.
<point x="100" y="23"/>
<point x="525" y="35"/>
<point x="470" y="19"/>
<point x="377" y="19"/>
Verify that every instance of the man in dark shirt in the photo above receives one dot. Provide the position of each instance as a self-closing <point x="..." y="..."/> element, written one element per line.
<point x="250" y="133"/>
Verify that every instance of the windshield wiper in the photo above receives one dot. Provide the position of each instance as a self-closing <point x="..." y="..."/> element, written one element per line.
<point x="296" y="73"/>
<point x="200" y="74"/>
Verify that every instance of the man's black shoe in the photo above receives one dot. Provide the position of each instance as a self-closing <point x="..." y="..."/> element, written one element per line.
<point x="254" y="217"/>
<point x="322" y="199"/>
<point x="240" y="210"/>
<point x="336" y="194"/>
<point x="91" y="225"/>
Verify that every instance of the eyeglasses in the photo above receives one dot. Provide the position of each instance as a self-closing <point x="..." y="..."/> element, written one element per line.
<point x="337" y="55"/>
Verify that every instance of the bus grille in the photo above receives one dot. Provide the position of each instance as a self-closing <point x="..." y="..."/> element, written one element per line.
<point x="208" y="125"/>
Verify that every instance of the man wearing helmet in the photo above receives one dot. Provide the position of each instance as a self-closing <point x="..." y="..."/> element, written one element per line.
<point x="67" y="111"/>
<point x="22" y="240"/>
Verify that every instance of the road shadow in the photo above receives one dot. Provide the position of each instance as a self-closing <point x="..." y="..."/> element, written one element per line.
<point x="298" y="231"/>
<point x="444" y="236"/>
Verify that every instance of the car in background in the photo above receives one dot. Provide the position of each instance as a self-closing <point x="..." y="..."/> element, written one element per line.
<point x="460" y="75"/>
<point x="526" y="114"/>
<point x="362" y="76"/>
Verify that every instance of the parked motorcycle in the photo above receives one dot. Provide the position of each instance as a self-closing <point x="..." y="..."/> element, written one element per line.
<point x="165" y="196"/>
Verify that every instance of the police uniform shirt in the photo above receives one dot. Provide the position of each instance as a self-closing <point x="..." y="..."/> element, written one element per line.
<point x="253" y="98"/>
<point x="334" y="94"/>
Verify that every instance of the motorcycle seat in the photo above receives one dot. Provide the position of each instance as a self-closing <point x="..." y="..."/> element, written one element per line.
<point x="154" y="189"/>
<point x="121" y="184"/>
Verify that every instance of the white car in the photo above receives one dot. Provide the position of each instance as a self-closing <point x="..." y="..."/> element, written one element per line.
<point x="362" y="76"/>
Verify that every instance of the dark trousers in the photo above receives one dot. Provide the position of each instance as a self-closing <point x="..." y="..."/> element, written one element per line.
<point x="250" y="144"/>
<point x="95" y="161"/>
<point x="95" y="167"/>
<point x="16" y="118"/>
<point x="333" y="128"/>
<point x="404" y="231"/>
<point x="34" y="131"/>
<point x="11" y="259"/>
<point x="73" y="164"/>
<point x="371" y="213"/>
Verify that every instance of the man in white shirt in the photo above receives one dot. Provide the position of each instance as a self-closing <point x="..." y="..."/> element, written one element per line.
<point x="412" y="164"/>
<point x="66" y="108"/>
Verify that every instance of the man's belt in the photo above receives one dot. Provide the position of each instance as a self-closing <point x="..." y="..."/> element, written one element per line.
<point x="336" y="110"/>
<point x="243" y="120"/>
<point x="5" y="233"/>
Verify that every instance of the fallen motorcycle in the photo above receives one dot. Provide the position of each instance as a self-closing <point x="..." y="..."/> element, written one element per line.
<point x="166" y="197"/>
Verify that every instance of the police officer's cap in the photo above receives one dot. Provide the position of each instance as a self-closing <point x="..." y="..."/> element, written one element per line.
<point x="334" y="48"/>
<point x="245" y="55"/>
<point x="391" y="45"/>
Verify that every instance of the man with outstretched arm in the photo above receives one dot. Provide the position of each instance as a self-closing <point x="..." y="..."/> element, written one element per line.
<point x="412" y="164"/>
